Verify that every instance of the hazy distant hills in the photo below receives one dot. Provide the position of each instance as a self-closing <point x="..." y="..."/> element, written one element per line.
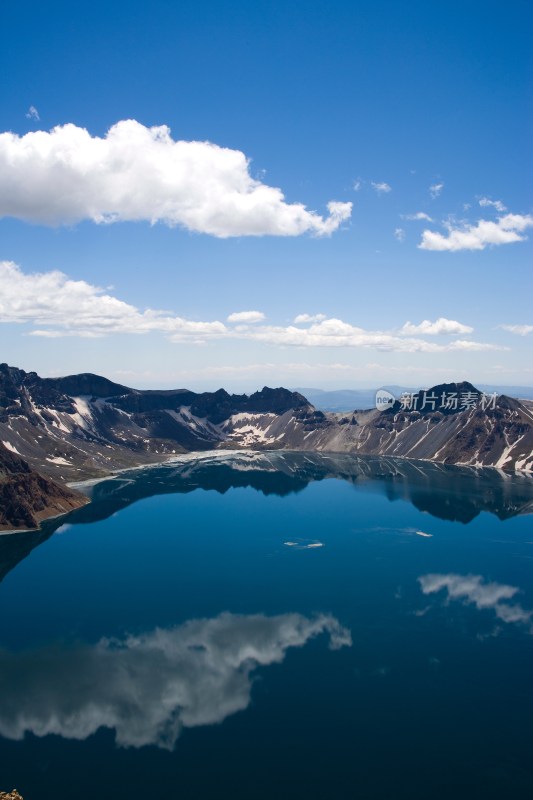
<point x="350" y="399"/>
<point x="84" y="426"/>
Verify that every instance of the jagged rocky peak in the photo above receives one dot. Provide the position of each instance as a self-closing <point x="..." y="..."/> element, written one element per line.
<point x="214" y="406"/>
<point x="505" y="402"/>
<point x="220" y="405"/>
<point x="276" y="401"/>
<point x="11" y="380"/>
<point x="460" y="388"/>
<point x="87" y="384"/>
<point x="15" y="387"/>
<point x="57" y="394"/>
<point x="14" y="380"/>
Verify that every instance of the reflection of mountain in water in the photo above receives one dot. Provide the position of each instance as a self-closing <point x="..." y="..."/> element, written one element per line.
<point x="148" y="688"/>
<point x="447" y="492"/>
<point x="16" y="546"/>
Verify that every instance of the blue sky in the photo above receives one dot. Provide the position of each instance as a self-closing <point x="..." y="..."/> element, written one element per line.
<point x="369" y="104"/>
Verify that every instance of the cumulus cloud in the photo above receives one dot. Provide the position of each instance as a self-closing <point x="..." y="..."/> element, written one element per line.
<point x="440" y="326"/>
<point x="58" y="306"/>
<point x="246" y="317"/>
<point x="519" y="330"/>
<point x="474" y="590"/>
<point x="468" y="344"/>
<point x="149" y="688"/>
<point x="486" y="202"/>
<point x="66" y="306"/>
<point x="399" y="234"/>
<point x="435" y="189"/>
<point x="301" y="319"/>
<point x="336" y="333"/>
<point x="137" y="173"/>
<point x="381" y="187"/>
<point x="32" y="113"/>
<point x="505" y="230"/>
<point x="420" y="215"/>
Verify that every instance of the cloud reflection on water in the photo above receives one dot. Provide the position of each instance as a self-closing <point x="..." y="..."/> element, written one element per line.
<point x="149" y="687"/>
<point x="484" y="595"/>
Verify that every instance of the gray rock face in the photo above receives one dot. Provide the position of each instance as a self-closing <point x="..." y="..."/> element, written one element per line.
<point x="85" y="426"/>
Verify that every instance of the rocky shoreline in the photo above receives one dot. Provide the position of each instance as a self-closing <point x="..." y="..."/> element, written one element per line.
<point x="27" y="497"/>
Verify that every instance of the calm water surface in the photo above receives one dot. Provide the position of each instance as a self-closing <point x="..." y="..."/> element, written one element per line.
<point x="273" y="626"/>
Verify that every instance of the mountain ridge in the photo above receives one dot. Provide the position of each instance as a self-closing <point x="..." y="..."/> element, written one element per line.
<point x="71" y="429"/>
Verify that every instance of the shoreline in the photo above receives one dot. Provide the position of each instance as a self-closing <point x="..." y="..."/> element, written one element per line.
<point x="198" y="455"/>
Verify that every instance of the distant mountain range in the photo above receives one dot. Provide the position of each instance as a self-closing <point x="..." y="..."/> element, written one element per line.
<point x="85" y="426"/>
<point x="349" y="399"/>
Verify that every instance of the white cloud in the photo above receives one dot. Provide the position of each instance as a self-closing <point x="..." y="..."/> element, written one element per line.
<point x="303" y="318"/>
<point x="485" y="202"/>
<point x="32" y="113"/>
<point x="138" y="173"/>
<point x="78" y="308"/>
<point x="148" y="688"/>
<point x="505" y="230"/>
<point x="381" y="188"/>
<point x="420" y="215"/>
<point x="59" y="306"/>
<point x="435" y="189"/>
<point x="472" y="589"/>
<point x="399" y="234"/>
<point x="519" y="330"/>
<point x="475" y="347"/>
<point x="357" y="184"/>
<point x="246" y="316"/>
<point x="440" y="326"/>
<point x="336" y="333"/>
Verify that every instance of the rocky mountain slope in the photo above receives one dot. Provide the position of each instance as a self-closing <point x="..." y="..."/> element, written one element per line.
<point x="26" y="497"/>
<point x="481" y="433"/>
<point x="85" y="426"/>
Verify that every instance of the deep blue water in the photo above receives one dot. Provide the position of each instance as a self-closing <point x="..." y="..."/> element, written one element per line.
<point x="180" y="637"/>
